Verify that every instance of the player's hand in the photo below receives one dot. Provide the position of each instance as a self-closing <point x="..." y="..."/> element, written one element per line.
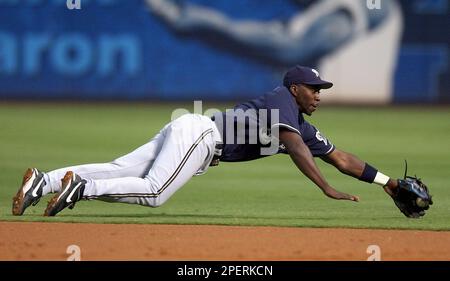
<point x="332" y="193"/>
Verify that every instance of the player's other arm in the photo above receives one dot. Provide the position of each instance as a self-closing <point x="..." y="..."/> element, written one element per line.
<point x="351" y="165"/>
<point x="303" y="159"/>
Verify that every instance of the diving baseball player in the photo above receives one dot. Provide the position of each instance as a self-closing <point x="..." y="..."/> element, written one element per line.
<point x="187" y="146"/>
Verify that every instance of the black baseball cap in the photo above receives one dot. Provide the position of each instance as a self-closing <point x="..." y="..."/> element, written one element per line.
<point x="305" y="75"/>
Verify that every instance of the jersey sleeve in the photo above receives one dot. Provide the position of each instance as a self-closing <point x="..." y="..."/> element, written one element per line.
<point x="287" y="112"/>
<point x="317" y="143"/>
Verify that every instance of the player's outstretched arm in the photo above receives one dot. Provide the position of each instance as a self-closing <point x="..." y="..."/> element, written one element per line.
<point x="303" y="159"/>
<point x="410" y="194"/>
<point x="351" y="165"/>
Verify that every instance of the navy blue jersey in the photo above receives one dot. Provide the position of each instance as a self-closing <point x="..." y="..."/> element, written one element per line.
<point x="249" y="129"/>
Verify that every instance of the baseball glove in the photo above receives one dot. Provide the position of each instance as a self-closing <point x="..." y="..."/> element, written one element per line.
<point x="412" y="196"/>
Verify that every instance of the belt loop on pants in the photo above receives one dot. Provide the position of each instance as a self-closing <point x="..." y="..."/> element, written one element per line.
<point x="217" y="153"/>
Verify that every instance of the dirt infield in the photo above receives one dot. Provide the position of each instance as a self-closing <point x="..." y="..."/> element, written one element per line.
<point x="50" y="241"/>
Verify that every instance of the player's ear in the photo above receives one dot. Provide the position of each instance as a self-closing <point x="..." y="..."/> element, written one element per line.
<point x="293" y="89"/>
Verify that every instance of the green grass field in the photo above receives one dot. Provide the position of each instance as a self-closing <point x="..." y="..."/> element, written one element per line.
<point x="269" y="191"/>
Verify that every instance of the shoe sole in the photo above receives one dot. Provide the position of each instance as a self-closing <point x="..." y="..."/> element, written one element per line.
<point x="17" y="208"/>
<point x="51" y="204"/>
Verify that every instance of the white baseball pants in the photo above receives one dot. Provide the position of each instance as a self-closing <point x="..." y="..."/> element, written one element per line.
<point x="152" y="173"/>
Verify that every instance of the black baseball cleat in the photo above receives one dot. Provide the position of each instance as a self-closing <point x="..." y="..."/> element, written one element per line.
<point x="30" y="192"/>
<point x="72" y="188"/>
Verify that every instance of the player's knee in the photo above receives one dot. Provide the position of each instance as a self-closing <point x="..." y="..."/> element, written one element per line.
<point x="156" y="196"/>
<point x="155" y="202"/>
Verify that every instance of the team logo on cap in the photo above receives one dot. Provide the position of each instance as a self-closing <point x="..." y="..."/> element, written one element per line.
<point x="315" y="72"/>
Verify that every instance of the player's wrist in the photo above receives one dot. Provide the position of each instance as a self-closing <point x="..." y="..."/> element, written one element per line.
<point x="391" y="187"/>
<point x="392" y="184"/>
<point x="372" y="175"/>
<point x="381" y="179"/>
<point x="369" y="173"/>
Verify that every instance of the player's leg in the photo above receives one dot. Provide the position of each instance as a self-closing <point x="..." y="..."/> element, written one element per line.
<point x="188" y="148"/>
<point x="135" y="164"/>
<point x="36" y="184"/>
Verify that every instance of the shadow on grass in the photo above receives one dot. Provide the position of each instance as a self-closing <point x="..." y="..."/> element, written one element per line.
<point x="197" y="216"/>
<point x="382" y="222"/>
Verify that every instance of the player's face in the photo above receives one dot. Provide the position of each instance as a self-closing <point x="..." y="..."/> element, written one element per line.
<point x="307" y="98"/>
